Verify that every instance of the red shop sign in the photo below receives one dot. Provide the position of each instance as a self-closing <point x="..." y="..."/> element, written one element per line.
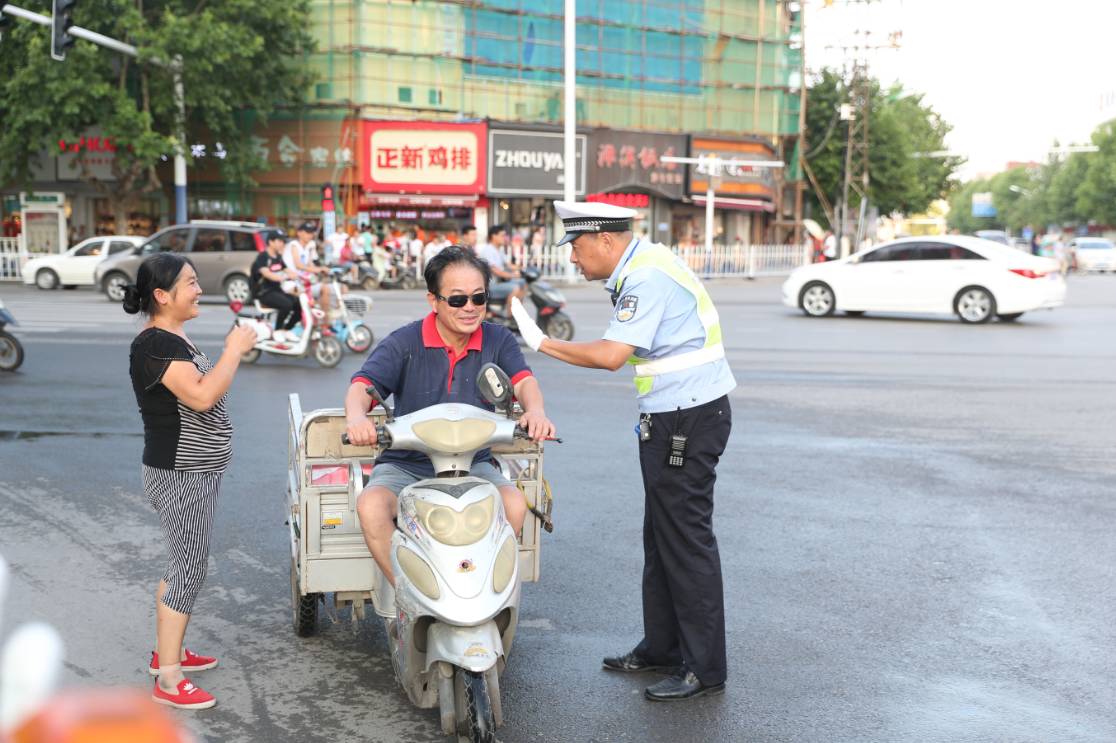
<point x="423" y="157"/>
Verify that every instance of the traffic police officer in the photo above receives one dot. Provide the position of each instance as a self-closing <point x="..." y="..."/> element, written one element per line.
<point x="665" y="326"/>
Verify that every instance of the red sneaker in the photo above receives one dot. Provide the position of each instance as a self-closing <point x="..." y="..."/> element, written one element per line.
<point x="186" y="696"/>
<point x="193" y="662"/>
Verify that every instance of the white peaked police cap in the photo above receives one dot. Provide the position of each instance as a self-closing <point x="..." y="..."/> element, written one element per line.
<point x="579" y="217"/>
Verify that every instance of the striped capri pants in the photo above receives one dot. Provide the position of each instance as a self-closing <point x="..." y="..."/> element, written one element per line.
<point x="185" y="502"/>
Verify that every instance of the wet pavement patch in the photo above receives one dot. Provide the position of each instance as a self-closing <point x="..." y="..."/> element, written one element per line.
<point x="35" y="435"/>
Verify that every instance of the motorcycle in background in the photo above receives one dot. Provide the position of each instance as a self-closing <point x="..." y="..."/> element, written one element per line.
<point x="11" y="350"/>
<point x="548" y="303"/>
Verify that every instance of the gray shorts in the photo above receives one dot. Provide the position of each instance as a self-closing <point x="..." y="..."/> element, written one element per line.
<point x="395" y="478"/>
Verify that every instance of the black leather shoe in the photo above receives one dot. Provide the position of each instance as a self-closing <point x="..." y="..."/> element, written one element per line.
<point x="632" y="663"/>
<point x="685" y="685"/>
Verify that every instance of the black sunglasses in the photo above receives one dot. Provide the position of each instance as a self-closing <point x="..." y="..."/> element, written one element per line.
<point x="457" y="301"/>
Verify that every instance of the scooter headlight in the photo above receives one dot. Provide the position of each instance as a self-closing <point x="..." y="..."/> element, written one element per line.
<point x="418" y="572"/>
<point x="456" y="528"/>
<point x="505" y="565"/>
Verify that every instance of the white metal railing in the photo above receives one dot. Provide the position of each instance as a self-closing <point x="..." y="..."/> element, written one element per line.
<point x="11" y="259"/>
<point x="725" y="261"/>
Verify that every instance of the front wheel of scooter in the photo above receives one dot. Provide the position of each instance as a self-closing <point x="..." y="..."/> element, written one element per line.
<point x="328" y="351"/>
<point x="359" y="339"/>
<point x="305" y="608"/>
<point x="475" y="722"/>
<point x="560" y="327"/>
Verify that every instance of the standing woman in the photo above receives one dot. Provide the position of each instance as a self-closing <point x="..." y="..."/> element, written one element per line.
<point x="187" y="446"/>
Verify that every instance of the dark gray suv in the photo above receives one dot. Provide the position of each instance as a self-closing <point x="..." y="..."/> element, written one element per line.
<point x="222" y="253"/>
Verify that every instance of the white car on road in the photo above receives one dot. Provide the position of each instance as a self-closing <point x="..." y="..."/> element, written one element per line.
<point x="972" y="278"/>
<point x="1094" y="254"/>
<point x="75" y="267"/>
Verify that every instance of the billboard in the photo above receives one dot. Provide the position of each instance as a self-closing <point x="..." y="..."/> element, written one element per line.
<point x="531" y="163"/>
<point x="982" y="205"/>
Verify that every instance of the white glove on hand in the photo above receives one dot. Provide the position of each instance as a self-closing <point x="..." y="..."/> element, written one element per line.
<point x="531" y="332"/>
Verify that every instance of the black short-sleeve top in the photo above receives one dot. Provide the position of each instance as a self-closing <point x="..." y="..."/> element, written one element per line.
<point x="175" y="436"/>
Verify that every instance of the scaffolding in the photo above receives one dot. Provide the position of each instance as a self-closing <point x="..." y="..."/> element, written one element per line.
<point x="720" y="67"/>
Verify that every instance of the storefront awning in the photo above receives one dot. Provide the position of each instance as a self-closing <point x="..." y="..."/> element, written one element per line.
<point x="746" y="205"/>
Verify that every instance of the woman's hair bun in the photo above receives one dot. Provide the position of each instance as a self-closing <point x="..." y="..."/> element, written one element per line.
<point x="131" y="299"/>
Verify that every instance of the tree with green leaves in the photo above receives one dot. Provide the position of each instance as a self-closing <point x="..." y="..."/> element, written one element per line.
<point x="240" y="60"/>
<point x="902" y="131"/>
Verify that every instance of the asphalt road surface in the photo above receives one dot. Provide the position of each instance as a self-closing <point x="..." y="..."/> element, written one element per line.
<point x="915" y="520"/>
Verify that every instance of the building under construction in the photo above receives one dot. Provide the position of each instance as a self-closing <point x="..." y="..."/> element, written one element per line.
<point x="401" y="83"/>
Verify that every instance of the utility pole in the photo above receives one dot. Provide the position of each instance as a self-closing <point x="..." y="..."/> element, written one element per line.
<point x="569" y="123"/>
<point x="63" y="36"/>
<point x="856" y="113"/>
<point x="857" y="175"/>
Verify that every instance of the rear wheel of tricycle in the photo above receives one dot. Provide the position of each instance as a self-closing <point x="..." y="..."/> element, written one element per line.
<point x="359" y="339"/>
<point x="304" y="607"/>
<point x="328" y="351"/>
<point x="475" y="722"/>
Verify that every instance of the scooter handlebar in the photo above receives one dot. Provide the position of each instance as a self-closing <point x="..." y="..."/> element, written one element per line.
<point x="383" y="437"/>
<point x="521" y="433"/>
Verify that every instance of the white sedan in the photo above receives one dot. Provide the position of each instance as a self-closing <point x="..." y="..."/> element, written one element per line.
<point x="75" y="267"/>
<point x="972" y="278"/>
<point x="1094" y="253"/>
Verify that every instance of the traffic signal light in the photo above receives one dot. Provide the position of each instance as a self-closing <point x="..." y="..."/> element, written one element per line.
<point x="327" y="198"/>
<point x="61" y="20"/>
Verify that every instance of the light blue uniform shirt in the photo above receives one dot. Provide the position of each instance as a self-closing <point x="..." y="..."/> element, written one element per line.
<point x="660" y="319"/>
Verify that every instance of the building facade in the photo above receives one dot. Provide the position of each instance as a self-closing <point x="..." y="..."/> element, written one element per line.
<point x="400" y="80"/>
<point x="430" y="115"/>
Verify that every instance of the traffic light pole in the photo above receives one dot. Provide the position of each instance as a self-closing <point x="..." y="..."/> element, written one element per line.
<point x="179" y="98"/>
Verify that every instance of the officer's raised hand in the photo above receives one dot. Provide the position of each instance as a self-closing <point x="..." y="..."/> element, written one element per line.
<point x="532" y="334"/>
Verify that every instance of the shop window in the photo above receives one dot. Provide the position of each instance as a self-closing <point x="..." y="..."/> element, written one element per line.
<point x="435" y="97"/>
<point x="323" y="90"/>
<point x="404" y="95"/>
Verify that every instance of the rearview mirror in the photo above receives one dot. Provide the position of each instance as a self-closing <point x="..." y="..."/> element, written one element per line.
<point x="495" y="387"/>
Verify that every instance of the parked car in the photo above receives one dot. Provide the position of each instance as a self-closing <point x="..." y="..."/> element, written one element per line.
<point x="75" y="267"/>
<point x="1093" y="254"/>
<point x="972" y="278"/>
<point x="222" y="253"/>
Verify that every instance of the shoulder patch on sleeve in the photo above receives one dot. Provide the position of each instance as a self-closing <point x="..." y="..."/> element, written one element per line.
<point x="626" y="307"/>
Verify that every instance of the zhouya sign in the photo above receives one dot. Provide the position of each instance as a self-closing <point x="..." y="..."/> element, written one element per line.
<point x="531" y="163"/>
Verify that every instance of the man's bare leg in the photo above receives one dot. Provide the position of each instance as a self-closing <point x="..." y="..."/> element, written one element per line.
<point x="376" y="509"/>
<point x="515" y="507"/>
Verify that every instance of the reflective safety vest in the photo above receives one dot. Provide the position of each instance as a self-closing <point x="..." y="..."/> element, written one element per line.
<point x="660" y="258"/>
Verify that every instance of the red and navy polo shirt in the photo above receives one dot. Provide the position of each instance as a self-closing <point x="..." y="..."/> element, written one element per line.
<point x="416" y="368"/>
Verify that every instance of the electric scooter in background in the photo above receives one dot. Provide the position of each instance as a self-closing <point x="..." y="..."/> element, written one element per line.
<point x="11" y="350"/>
<point x="548" y="303"/>
<point x="314" y="340"/>
<point x="348" y="325"/>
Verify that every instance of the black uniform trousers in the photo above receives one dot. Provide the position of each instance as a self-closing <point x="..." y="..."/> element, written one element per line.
<point x="286" y="308"/>
<point x="683" y="595"/>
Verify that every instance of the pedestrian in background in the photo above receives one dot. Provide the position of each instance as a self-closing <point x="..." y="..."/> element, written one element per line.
<point x="187" y="446"/>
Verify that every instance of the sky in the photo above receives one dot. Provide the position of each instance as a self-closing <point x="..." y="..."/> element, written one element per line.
<point x="1011" y="76"/>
